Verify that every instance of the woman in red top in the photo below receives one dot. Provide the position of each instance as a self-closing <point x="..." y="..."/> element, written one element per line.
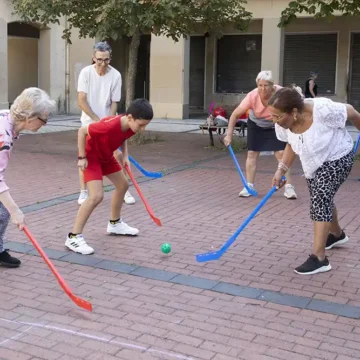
<point x="97" y="143"/>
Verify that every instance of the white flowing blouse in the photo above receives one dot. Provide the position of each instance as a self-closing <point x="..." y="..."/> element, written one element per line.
<point x="326" y="140"/>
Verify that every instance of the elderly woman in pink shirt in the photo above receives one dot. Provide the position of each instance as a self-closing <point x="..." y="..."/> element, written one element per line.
<point x="29" y="111"/>
<point x="261" y="132"/>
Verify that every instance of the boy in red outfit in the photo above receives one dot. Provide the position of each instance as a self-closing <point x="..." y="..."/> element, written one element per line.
<point x="97" y="143"/>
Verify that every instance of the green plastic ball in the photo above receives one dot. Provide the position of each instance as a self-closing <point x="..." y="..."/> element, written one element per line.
<point x="165" y="248"/>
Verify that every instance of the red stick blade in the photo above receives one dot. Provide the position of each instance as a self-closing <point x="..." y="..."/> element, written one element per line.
<point x="81" y="303"/>
<point x="156" y="220"/>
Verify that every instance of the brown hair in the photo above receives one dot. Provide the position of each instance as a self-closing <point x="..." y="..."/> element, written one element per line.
<point x="286" y="100"/>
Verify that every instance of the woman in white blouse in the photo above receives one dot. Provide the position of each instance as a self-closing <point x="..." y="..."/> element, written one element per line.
<point x="314" y="129"/>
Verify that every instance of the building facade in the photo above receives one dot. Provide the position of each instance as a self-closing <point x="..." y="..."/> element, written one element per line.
<point x="31" y="55"/>
<point x="224" y="70"/>
<point x="187" y="76"/>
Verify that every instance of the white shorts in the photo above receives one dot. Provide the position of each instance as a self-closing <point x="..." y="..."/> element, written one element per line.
<point x="85" y="122"/>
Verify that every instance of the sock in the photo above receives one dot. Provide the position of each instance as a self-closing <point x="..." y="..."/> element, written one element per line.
<point x="72" y="235"/>
<point x="114" y="222"/>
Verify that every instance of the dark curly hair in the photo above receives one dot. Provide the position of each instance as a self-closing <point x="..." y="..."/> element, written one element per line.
<point x="286" y="100"/>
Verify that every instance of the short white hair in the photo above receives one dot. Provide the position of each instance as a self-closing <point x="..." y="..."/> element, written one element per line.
<point x="32" y="102"/>
<point x="102" y="46"/>
<point x="298" y="89"/>
<point x="265" y="75"/>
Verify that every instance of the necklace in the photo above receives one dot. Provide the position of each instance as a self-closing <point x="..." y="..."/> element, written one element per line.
<point x="297" y="125"/>
<point x="300" y="124"/>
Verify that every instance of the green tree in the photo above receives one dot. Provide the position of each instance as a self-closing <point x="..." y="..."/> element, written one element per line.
<point x="319" y="9"/>
<point x="130" y="18"/>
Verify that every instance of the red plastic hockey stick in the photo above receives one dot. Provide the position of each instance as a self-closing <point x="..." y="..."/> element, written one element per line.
<point x="148" y="208"/>
<point x="79" y="302"/>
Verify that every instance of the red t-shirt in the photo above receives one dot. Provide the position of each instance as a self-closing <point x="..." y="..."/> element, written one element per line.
<point x="104" y="137"/>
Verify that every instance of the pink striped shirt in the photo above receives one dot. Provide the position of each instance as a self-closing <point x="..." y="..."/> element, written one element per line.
<point x="252" y="101"/>
<point x="7" y="137"/>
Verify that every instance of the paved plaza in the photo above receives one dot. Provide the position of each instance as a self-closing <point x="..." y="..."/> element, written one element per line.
<point x="247" y="305"/>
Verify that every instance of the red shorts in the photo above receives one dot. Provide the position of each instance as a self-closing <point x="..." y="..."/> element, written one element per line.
<point x="96" y="169"/>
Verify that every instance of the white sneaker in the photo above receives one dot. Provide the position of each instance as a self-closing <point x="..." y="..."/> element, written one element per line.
<point x="78" y="244"/>
<point x="121" y="228"/>
<point x="289" y="192"/>
<point x="244" y="192"/>
<point x="129" y="199"/>
<point x="83" y="196"/>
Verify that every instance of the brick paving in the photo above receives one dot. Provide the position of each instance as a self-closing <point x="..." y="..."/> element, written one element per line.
<point x="136" y="317"/>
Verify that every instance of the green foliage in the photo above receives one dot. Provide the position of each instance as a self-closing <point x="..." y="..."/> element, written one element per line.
<point x="130" y="18"/>
<point x="120" y="18"/>
<point x="319" y="9"/>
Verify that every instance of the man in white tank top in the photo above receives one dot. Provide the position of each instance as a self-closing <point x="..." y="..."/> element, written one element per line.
<point x="99" y="91"/>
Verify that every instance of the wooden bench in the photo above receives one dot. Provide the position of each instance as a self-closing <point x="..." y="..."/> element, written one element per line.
<point x="240" y="127"/>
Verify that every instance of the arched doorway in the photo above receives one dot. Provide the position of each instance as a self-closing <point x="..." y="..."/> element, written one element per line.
<point x="23" y="44"/>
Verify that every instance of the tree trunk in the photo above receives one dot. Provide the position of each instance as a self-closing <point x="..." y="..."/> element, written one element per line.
<point x="132" y="69"/>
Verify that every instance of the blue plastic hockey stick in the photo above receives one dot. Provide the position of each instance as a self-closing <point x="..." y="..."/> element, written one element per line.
<point x="141" y="169"/>
<point x="145" y="172"/>
<point x="357" y="144"/>
<point x="250" y="191"/>
<point x="215" y="255"/>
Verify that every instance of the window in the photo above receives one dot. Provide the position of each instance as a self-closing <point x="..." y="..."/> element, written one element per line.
<point x="311" y="52"/>
<point x="354" y="84"/>
<point x="238" y="63"/>
<point x="23" y="30"/>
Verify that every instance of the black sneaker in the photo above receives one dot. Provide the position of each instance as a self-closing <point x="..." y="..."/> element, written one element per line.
<point x="333" y="241"/>
<point x="313" y="266"/>
<point x="8" y="261"/>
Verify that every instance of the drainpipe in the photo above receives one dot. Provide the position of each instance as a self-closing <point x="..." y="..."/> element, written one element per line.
<point x="67" y="72"/>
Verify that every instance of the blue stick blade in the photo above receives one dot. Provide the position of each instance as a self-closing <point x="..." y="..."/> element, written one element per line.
<point x="141" y="169"/>
<point x="151" y="174"/>
<point x="156" y="175"/>
<point x="215" y="255"/>
<point x="146" y="173"/>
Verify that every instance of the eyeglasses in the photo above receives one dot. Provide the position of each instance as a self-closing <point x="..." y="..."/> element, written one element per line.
<point x="100" y="61"/>
<point x="43" y="120"/>
<point x="277" y="118"/>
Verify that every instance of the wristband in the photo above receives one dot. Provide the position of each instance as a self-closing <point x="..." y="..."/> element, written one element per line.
<point x="81" y="157"/>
